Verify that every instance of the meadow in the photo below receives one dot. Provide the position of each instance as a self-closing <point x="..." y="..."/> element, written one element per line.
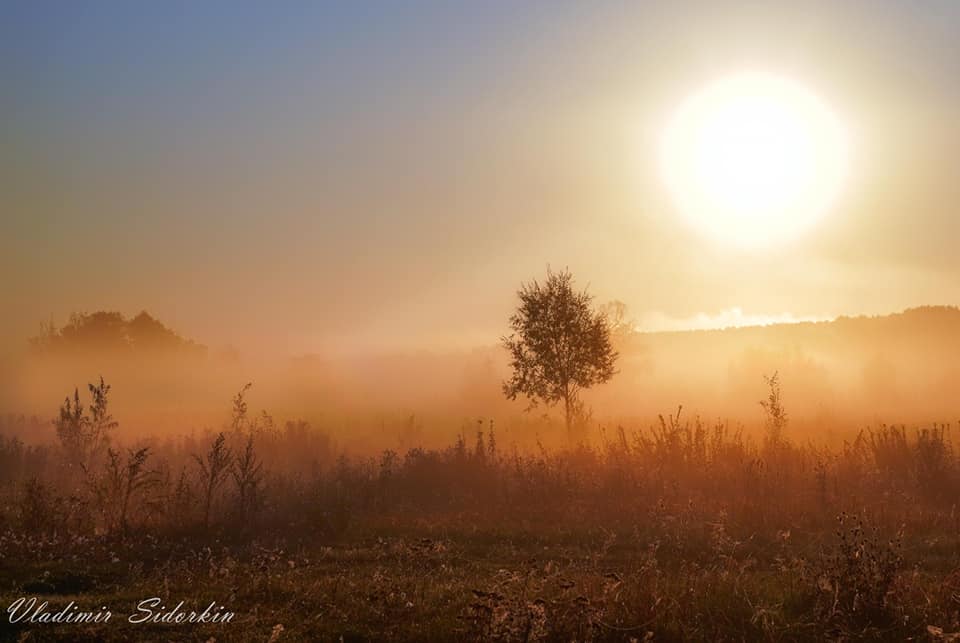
<point x="479" y="321"/>
<point x="682" y="530"/>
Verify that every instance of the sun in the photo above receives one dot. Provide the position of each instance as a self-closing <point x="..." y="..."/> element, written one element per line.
<point x="754" y="159"/>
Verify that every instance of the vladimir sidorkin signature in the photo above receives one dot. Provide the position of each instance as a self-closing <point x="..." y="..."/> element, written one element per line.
<point x="154" y="610"/>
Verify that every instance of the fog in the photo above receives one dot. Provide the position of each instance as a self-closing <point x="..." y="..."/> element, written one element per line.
<point x="838" y="377"/>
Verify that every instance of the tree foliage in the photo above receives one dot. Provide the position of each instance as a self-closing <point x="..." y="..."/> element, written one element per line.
<point x="559" y="345"/>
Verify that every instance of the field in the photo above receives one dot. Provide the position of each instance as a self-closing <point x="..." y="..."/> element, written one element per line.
<point x="521" y="321"/>
<point x="681" y="531"/>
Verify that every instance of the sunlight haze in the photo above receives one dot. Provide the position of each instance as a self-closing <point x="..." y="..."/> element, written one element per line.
<point x="508" y="320"/>
<point x="318" y="178"/>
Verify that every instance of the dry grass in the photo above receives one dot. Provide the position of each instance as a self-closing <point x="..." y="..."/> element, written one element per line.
<point x="685" y="531"/>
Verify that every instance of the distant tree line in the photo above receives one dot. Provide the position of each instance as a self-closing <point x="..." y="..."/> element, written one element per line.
<point x="111" y="332"/>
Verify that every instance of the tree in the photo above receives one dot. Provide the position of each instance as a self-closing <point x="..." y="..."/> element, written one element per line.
<point x="112" y="333"/>
<point x="558" y="346"/>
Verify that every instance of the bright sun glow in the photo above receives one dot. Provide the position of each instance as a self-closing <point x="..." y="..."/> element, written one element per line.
<point x="754" y="159"/>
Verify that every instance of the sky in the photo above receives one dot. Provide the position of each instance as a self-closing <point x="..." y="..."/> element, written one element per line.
<point x="311" y="177"/>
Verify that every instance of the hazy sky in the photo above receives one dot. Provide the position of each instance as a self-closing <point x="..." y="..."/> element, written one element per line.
<point x="311" y="176"/>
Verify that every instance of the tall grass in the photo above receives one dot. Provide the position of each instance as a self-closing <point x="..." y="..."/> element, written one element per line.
<point x="767" y="539"/>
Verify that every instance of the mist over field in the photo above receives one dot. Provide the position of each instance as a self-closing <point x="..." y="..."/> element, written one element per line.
<point x="839" y="377"/>
<point x="404" y="496"/>
<point x="504" y="321"/>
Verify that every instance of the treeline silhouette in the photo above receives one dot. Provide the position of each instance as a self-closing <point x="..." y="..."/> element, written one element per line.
<point x="111" y="332"/>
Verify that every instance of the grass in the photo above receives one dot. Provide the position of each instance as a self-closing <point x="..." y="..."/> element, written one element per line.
<point x="443" y="583"/>
<point x="685" y="531"/>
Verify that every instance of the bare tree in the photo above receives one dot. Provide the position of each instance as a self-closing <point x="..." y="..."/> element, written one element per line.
<point x="559" y="345"/>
